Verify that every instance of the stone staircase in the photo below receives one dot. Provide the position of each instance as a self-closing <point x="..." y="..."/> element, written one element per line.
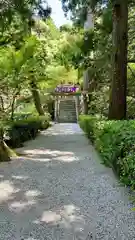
<point x="67" y="111"/>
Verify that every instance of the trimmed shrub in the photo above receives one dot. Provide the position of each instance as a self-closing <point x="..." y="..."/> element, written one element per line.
<point x="19" y="131"/>
<point x="115" y="140"/>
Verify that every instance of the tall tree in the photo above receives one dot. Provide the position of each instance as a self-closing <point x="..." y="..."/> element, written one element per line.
<point x="117" y="106"/>
<point x="29" y="10"/>
<point x="41" y="10"/>
<point x="119" y="8"/>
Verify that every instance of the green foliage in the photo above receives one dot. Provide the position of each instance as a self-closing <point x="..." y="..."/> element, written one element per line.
<point x="70" y="48"/>
<point x="76" y="46"/>
<point x="25" y="9"/>
<point x="33" y="61"/>
<point x="115" y="140"/>
<point x="66" y="28"/>
<point x="79" y="9"/>
<point x="19" y="131"/>
<point x="14" y="33"/>
<point x="100" y="101"/>
<point x="107" y="20"/>
<point x="37" y="122"/>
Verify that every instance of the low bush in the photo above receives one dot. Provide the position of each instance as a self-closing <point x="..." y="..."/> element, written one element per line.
<point x="19" y="131"/>
<point x="115" y="140"/>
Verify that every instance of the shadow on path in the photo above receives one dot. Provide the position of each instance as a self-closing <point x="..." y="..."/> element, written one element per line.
<point x="59" y="190"/>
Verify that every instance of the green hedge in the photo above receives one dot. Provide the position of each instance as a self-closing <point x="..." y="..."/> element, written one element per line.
<point x="19" y="131"/>
<point x="115" y="140"/>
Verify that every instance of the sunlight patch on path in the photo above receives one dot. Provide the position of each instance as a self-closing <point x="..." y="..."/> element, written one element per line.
<point x="6" y="190"/>
<point x="21" y="206"/>
<point x="60" y="191"/>
<point x="66" y="216"/>
<point x="46" y="155"/>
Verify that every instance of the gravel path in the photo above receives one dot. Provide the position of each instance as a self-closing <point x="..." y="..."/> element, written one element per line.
<point x="60" y="191"/>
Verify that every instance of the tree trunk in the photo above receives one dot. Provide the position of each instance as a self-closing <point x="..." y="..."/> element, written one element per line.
<point x="92" y="87"/>
<point x="4" y="155"/>
<point x="13" y="105"/>
<point x="36" y="98"/>
<point x="85" y="104"/>
<point x="33" y="85"/>
<point x="12" y="109"/>
<point x="85" y="89"/>
<point x="118" y="91"/>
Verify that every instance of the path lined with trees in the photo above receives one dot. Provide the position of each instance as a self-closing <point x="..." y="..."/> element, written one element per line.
<point x="39" y="56"/>
<point x="36" y="56"/>
<point x="59" y="190"/>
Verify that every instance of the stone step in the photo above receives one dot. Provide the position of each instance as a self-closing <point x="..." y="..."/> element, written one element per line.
<point x="64" y="121"/>
<point x="65" y="105"/>
<point x="67" y="117"/>
<point x="68" y="114"/>
<point x="67" y="111"/>
<point x="70" y="107"/>
<point x="67" y="101"/>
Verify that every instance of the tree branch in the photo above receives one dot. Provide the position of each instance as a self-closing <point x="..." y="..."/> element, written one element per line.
<point x="131" y="61"/>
